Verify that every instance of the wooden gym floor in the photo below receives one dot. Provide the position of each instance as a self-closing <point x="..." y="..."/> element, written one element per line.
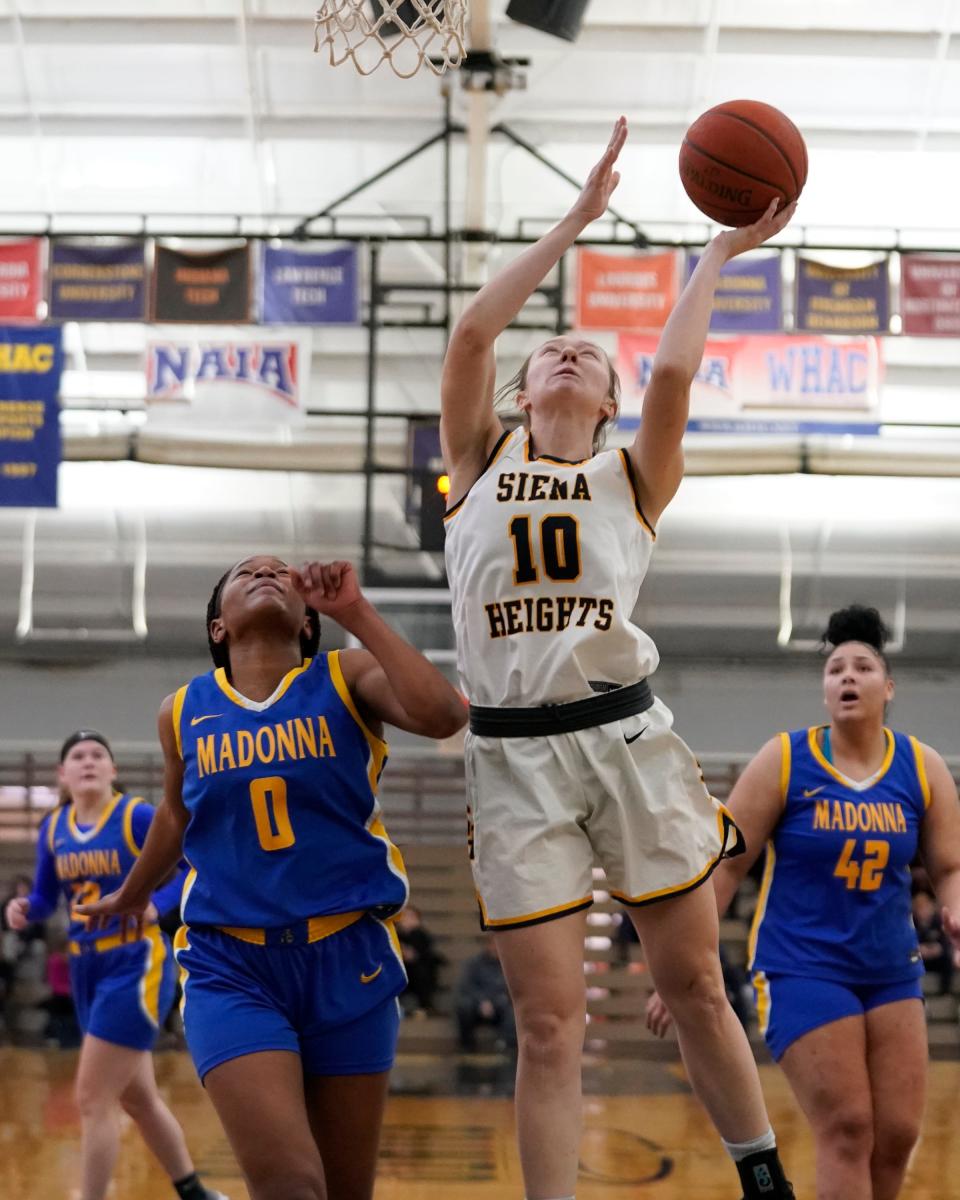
<point x="450" y="1137"/>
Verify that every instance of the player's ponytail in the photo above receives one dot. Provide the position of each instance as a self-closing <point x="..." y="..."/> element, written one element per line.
<point x="220" y="652"/>
<point x="857" y="623"/>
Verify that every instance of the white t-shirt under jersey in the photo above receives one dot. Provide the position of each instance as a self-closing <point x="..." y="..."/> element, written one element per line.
<point x="545" y="559"/>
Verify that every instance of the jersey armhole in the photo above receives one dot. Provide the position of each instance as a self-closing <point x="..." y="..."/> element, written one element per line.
<point x="128" y="836"/>
<point x="491" y="459"/>
<point x="178" y="699"/>
<point x="635" y="489"/>
<point x="921" y="771"/>
<point x="51" y="828"/>
<point x="786" y="763"/>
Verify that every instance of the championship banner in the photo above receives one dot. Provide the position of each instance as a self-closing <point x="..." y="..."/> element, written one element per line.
<point x="31" y="362"/>
<point x="228" y="380"/>
<point x="310" y="287"/>
<point x="98" y="283"/>
<point x="202" y="287"/>
<point x="21" y="284"/>
<point x="802" y="384"/>
<point x="749" y="296"/>
<point x="842" y="299"/>
<point x="625" y="292"/>
<point x="930" y="295"/>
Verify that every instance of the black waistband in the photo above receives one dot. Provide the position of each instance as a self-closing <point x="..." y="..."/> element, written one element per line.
<point x="561" y="718"/>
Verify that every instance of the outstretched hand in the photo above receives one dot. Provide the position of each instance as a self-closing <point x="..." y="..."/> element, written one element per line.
<point x="749" y="237"/>
<point x="593" y="200"/>
<point x="330" y="588"/>
<point x="134" y="914"/>
<point x="659" y="1019"/>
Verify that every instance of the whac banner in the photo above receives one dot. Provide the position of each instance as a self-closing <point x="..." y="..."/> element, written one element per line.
<point x="202" y="287"/>
<point x="20" y="280"/>
<point x="228" y="381"/>
<point x="98" y="283"/>
<point x="749" y="296"/>
<point x="842" y="299"/>
<point x="625" y="292"/>
<point x="309" y="287"/>
<point x="31" y="363"/>
<point x="930" y="295"/>
<point x="785" y="384"/>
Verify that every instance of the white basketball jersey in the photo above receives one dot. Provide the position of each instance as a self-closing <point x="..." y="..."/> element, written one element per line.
<point x="545" y="559"/>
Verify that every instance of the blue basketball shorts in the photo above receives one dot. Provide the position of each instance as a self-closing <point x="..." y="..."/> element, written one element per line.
<point x="122" y="993"/>
<point x="332" y="1001"/>
<point x="788" y="1006"/>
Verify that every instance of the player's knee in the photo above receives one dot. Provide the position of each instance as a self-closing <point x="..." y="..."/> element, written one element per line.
<point x="696" y="996"/>
<point x="895" y="1140"/>
<point x="138" y="1102"/>
<point x="287" y="1181"/>
<point x="848" y="1131"/>
<point x="550" y="1037"/>
<point x="91" y="1099"/>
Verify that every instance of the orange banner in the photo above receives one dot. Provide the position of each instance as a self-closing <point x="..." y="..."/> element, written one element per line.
<point x="625" y="292"/>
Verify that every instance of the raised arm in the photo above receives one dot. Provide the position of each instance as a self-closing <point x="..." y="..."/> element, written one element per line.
<point x="940" y="842"/>
<point x="163" y="846"/>
<point x="469" y="427"/>
<point x="390" y="681"/>
<point x="656" y="450"/>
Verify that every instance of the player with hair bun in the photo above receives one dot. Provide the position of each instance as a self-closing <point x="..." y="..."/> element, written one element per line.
<point x="842" y="809"/>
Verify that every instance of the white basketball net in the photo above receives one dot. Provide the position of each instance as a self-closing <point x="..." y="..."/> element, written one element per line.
<point x="408" y="34"/>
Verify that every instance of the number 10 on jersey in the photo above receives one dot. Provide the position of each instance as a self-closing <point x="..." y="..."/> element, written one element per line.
<point x="559" y="549"/>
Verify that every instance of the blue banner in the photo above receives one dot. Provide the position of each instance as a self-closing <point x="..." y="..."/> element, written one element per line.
<point x="310" y="287"/>
<point x="749" y="296"/>
<point x="31" y="363"/>
<point x="98" y="283"/>
<point x="843" y="299"/>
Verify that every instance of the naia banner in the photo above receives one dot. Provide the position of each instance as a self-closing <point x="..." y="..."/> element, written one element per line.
<point x="801" y="384"/>
<point x="98" y="283"/>
<point x="842" y="299"/>
<point x="930" y="295"/>
<point x="310" y="287"/>
<point x="20" y="280"/>
<point x="625" y="292"/>
<point x="202" y="287"/>
<point x="749" y="296"/>
<point x="31" y="362"/>
<point x="228" y="379"/>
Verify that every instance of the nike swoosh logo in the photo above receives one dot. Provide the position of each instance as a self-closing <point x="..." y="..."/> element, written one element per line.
<point x="628" y="740"/>
<point x="208" y="717"/>
<point x="808" y="792"/>
<point x="371" y="977"/>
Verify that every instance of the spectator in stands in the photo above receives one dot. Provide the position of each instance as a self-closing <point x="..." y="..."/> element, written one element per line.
<point x="482" y="999"/>
<point x="422" y="961"/>
<point x="935" y="948"/>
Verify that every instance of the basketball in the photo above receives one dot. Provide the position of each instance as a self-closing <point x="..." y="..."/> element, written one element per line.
<point x="738" y="156"/>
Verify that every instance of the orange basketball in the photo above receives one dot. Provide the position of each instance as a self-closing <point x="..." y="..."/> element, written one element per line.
<point x="738" y="156"/>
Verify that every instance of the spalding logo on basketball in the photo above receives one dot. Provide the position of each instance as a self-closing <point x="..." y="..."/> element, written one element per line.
<point x="738" y="156"/>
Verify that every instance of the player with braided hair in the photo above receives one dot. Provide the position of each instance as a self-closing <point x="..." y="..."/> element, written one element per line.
<point x="289" y="960"/>
<point x="842" y="810"/>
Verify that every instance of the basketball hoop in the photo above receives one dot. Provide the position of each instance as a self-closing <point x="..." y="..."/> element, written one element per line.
<point x="408" y="34"/>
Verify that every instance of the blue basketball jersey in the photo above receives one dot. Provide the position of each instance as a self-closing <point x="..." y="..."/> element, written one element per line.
<point x="284" y="820"/>
<point x="90" y="862"/>
<point x="835" y="898"/>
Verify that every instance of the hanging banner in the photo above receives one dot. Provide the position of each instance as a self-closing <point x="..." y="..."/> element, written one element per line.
<point x="749" y="296"/>
<point x="310" y="287"/>
<point x="930" y="295"/>
<point x="98" y="283"/>
<point x="21" y="279"/>
<point x="625" y="292"/>
<point x="31" y="363"/>
<point x="801" y="384"/>
<point x="202" y="287"/>
<point x="229" y="380"/>
<point x="842" y="299"/>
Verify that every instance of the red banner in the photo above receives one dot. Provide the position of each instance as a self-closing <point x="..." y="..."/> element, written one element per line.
<point x="20" y="280"/>
<point x="930" y="295"/>
<point x="617" y="291"/>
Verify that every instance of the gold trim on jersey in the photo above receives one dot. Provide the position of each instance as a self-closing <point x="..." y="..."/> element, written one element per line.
<point x="153" y="975"/>
<point x="921" y="771"/>
<point x="534" y="918"/>
<point x="111" y="942"/>
<point x="550" y="458"/>
<point x="725" y="823"/>
<point x="766" y="884"/>
<point x="220" y="678"/>
<point x="635" y="489"/>
<point x="318" y="928"/>
<point x="57" y="812"/>
<point x="87" y="835"/>
<point x="855" y="785"/>
<point x="495" y="453"/>
<point x="128" y="825"/>
<point x="378" y="747"/>
<point x="178" y="699"/>
<point x="180" y="943"/>
<point x="786" y="758"/>
<point x="761" y="985"/>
